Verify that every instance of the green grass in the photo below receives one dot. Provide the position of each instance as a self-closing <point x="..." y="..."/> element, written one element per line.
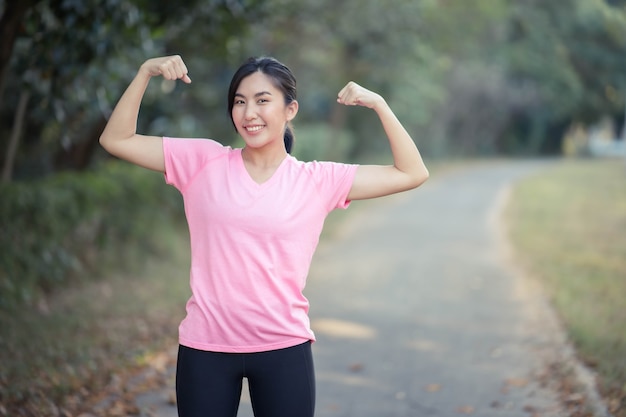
<point x="568" y="226"/>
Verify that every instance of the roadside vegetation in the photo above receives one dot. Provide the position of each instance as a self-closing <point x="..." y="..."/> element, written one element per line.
<point x="81" y="343"/>
<point x="568" y="226"/>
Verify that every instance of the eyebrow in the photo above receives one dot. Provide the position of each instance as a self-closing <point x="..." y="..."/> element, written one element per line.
<point x="262" y="93"/>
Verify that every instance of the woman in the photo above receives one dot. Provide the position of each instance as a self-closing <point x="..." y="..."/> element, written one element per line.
<point x="255" y="215"/>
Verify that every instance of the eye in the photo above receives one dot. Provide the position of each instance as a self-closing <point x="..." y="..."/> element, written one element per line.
<point x="263" y="100"/>
<point x="238" y="101"/>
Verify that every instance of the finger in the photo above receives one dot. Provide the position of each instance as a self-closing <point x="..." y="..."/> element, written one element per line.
<point x="344" y="94"/>
<point x="345" y="98"/>
<point x="166" y="70"/>
<point x="175" y="67"/>
<point x="182" y="73"/>
<point x="181" y="70"/>
<point x="179" y="73"/>
<point x="183" y="66"/>
<point x="343" y="90"/>
<point x="351" y="98"/>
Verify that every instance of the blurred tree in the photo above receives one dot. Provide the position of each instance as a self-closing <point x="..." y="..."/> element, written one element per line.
<point x="73" y="58"/>
<point x="572" y="55"/>
<point x="474" y="98"/>
<point x="57" y="42"/>
<point x="519" y="73"/>
<point x="12" y="15"/>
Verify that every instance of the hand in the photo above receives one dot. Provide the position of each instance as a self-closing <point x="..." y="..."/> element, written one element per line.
<point x="170" y="67"/>
<point x="355" y="95"/>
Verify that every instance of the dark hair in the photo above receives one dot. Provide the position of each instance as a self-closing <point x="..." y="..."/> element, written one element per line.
<point x="282" y="78"/>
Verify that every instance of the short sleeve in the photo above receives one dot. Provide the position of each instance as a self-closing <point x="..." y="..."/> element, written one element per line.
<point x="184" y="158"/>
<point x="334" y="181"/>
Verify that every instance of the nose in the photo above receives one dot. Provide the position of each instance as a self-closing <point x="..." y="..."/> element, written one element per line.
<point x="250" y="112"/>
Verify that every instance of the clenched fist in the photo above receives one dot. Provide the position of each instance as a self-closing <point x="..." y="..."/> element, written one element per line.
<point x="170" y="67"/>
<point x="355" y="95"/>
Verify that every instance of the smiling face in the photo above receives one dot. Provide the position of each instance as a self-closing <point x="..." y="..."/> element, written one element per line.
<point x="260" y="113"/>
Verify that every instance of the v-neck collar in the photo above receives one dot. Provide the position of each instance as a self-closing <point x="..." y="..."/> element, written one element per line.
<point x="248" y="178"/>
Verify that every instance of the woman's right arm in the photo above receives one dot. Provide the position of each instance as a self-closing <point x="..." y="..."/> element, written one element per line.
<point x="120" y="136"/>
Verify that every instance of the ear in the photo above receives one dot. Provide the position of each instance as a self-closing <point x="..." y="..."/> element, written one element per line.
<point x="292" y="110"/>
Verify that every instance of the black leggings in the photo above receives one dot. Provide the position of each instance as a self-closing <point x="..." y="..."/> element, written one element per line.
<point x="281" y="382"/>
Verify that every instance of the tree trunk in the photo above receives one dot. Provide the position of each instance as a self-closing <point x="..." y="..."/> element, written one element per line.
<point x="79" y="155"/>
<point x="14" y="139"/>
<point x="10" y="23"/>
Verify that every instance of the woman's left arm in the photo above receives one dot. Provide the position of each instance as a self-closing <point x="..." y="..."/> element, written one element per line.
<point x="408" y="170"/>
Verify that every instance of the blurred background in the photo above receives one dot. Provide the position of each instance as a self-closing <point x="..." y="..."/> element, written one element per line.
<point x="479" y="79"/>
<point x="496" y="77"/>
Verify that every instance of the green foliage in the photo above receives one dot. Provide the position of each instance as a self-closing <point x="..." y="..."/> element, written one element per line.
<point x="572" y="54"/>
<point x="53" y="230"/>
<point x="76" y="57"/>
<point x="320" y="142"/>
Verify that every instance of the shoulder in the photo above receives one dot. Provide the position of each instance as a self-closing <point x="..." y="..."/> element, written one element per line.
<point x="323" y="171"/>
<point x="326" y="166"/>
<point x="196" y="148"/>
<point x="186" y="157"/>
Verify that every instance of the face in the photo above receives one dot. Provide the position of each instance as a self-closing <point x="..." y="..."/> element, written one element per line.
<point x="260" y="113"/>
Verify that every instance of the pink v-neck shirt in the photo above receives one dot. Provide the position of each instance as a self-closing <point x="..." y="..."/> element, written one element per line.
<point x="251" y="244"/>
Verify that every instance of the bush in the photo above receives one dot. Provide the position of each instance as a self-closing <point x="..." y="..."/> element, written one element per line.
<point x="52" y="231"/>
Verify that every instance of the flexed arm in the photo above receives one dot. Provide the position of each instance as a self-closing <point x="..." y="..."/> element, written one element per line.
<point x="408" y="170"/>
<point x="120" y="136"/>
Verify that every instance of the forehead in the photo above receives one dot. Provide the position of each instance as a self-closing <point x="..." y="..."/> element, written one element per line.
<point x="255" y="83"/>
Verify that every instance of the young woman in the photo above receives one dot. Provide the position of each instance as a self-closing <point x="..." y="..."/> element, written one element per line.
<point x="255" y="215"/>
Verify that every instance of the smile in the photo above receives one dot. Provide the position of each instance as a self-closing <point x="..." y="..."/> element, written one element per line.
<point x="254" y="128"/>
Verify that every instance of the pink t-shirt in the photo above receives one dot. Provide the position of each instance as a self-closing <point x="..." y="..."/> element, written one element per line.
<point x="251" y="244"/>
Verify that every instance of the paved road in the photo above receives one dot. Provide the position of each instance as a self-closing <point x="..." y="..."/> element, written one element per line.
<point x="419" y="313"/>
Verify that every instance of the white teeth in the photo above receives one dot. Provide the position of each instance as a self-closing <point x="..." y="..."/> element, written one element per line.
<point x="253" y="128"/>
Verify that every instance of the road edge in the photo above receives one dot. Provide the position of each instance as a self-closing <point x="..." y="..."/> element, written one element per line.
<point x="565" y="355"/>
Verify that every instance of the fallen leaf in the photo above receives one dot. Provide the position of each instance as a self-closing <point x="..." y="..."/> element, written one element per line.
<point x="615" y="404"/>
<point x="575" y="398"/>
<point x="433" y="388"/>
<point x="466" y="409"/>
<point x="516" y="382"/>
<point x="333" y="407"/>
<point x="171" y="397"/>
<point x="356" y="367"/>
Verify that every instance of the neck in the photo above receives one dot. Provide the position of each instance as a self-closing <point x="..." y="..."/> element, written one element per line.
<point x="262" y="157"/>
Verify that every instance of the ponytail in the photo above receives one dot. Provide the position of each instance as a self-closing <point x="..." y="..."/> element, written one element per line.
<point x="289" y="138"/>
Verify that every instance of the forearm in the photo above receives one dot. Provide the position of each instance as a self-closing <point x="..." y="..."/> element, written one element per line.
<point x="406" y="156"/>
<point x="123" y="121"/>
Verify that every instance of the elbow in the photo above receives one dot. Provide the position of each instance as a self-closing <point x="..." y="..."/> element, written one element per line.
<point x="420" y="178"/>
<point x="108" y="142"/>
<point x="104" y="141"/>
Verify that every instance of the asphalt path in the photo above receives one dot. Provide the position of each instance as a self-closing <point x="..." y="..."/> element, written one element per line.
<point x="419" y="311"/>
